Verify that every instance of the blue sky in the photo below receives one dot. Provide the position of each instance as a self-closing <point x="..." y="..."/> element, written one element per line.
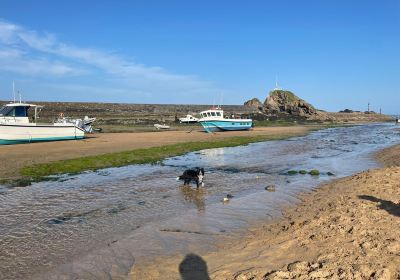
<point x="334" y="54"/>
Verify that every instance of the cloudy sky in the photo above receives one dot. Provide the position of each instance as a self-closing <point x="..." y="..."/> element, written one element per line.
<point x="335" y="54"/>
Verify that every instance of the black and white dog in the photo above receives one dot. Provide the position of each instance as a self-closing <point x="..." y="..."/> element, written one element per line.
<point x="196" y="175"/>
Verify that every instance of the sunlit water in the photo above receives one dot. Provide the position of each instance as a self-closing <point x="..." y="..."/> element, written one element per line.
<point x="103" y="223"/>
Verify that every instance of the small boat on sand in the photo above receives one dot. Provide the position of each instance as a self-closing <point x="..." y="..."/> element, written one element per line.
<point x="188" y="119"/>
<point x="161" y="126"/>
<point x="15" y="126"/>
<point x="213" y="120"/>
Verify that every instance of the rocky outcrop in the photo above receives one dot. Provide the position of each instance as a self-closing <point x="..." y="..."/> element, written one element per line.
<point x="285" y="105"/>
<point x="282" y="101"/>
<point x="255" y="103"/>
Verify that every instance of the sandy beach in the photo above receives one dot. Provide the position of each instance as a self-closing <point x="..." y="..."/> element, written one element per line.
<point x="346" y="229"/>
<point x="18" y="156"/>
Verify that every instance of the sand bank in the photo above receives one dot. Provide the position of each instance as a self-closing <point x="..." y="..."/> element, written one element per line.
<point x="347" y="229"/>
<point x="19" y="156"/>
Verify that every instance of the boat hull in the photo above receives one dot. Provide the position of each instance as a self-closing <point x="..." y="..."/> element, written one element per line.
<point x="19" y="134"/>
<point x="226" y="125"/>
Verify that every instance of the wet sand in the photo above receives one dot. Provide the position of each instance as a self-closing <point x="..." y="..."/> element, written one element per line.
<point x="18" y="156"/>
<point x="346" y="229"/>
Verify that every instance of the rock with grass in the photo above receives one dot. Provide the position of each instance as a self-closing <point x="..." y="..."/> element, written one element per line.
<point x="255" y="103"/>
<point x="283" y="101"/>
<point x="303" y="172"/>
<point x="292" y="172"/>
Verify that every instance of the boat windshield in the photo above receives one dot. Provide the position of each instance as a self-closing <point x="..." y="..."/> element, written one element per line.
<point x="14" y="111"/>
<point x="5" y="110"/>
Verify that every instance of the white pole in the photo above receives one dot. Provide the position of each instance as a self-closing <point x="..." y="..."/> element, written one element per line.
<point x="14" y="91"/>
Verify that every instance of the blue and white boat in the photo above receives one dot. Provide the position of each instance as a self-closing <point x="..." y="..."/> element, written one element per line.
<point x="213" y="120"/>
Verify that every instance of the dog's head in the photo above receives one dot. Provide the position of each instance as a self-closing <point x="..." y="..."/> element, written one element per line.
<point x="200" y="174"/>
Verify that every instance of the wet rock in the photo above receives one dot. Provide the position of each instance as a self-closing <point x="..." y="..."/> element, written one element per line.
<point x="270" y="188"/>
<point x="55" y="221"/>
<point x="229" y="196"/>
<point x="330" y="174"/>
<point x="303" y="172"/>
<point x="142" y="202"/>
<point x="314" y="172"/>
<point x="292" y="172"/>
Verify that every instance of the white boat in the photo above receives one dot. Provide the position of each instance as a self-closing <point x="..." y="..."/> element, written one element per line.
<point x="15" y="126"/>
<point x="161" y="126"/>
<point x="188" y="119"/>
<point x="85" y="124"/>
<point x="213" y="120"/>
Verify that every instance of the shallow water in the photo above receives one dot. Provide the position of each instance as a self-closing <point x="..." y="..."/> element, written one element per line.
<point x="103" y="223"/>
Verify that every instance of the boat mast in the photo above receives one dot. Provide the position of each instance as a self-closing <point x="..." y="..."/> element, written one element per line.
<point x="14" y="91"/>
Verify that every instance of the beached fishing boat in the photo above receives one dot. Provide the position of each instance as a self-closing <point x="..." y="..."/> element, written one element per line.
<point x="188" y="119"/>
<point x="213" y="120"/>
<point x="15" y="126"/>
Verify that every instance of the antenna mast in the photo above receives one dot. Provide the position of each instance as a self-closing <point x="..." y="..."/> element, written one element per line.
<point x="276" y="82"/>
<point x="14" y="91"/>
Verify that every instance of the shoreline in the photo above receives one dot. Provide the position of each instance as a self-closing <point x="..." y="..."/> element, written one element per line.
<point x="36" y="160"/>
<point x="344" y="229"/>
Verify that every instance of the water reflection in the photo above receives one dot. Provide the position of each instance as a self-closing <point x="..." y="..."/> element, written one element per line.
<point x="195" y="196"/>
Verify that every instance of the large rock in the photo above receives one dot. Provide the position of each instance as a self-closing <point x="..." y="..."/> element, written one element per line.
<point x="282" y="101"/>
<point x="255" y="103"/>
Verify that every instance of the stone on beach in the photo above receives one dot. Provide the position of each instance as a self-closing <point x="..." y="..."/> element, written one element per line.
<point x="270" y="188"/>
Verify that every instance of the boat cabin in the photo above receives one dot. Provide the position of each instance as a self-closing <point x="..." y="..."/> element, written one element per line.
<point x="18" y="112"/>
<point x="213" y="113"/>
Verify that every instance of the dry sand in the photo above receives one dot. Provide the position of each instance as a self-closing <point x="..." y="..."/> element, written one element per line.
<point x="14" y="157"/>
<point x="347" y="229"/>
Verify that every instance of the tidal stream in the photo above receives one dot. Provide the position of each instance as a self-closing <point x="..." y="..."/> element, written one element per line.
<point x="100" y="224"/>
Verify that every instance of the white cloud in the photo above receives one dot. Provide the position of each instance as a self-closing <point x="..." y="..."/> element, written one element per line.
<point x="28" y="52"/>
<point x="15" y="61"/>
